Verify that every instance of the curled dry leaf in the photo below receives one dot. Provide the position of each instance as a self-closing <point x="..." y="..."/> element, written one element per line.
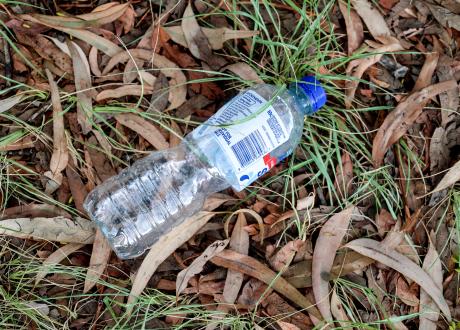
<point x="450" y="178"/>
<point x="60" y="156"/>
<point x="93" y="62"/>
<point x="169" y="242"/>
<point x="55" y="258"/>
<point x="402" y="264"/>
<point x="283" y="258"/>
<point x="406" y="293"/>
<point x="426" y="74"/>
<point x="239" y="242"/>
<point x="96" y="18"/>
<point x="344" y="177"/>
<point x="177" y="83"/>
<point x="356" y="68"/>
<point x="197" y="265"/>
<point x="355" y="32"/>
<point x="402" y="117"/>
<point x="127" y="90"/>
<point x="338" y="312"/>
<point x="196" y="40"/>
<point x="216" y="37"/>
<point x="329" y="240"/>
<point x="429" y="311"/>
<point x="145" y="129"/>
<point x="244" y="71"/>
<point x="278" y="308"/>
<point x="57" y="229"/>
<point x="8" y="103"/>
<point x="252" y="267"/>
<point x="372" y="18"/>
<point x="33" y="211"/>
<point x="98" y="262"/>
<point x="83" y="85"/>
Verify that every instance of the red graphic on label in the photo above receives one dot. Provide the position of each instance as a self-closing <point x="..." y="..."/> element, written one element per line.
<point x="269" y="161"/>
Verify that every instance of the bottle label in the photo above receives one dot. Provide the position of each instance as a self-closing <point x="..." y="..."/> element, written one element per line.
<point x="248" y="129"/>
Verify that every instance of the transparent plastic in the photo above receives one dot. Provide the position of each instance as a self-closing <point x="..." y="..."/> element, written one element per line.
<point x="145" y="201"/>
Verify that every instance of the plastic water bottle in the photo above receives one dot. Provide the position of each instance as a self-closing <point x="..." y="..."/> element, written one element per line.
<point x="247" y="137"/>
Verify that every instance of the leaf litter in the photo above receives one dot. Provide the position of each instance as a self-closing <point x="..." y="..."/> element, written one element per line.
<point x="123" y="78"/>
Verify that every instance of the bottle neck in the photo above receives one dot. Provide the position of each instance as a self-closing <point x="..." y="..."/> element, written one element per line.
<point x="303" y="101"/>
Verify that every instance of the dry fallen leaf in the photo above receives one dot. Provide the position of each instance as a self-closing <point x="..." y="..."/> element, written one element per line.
<point x="55" y="258"/>
<point x="450" y="178"/>
<point x="7" y="103"/>
<point x="145" y="129"/>
<point x="372" y="18"/>
<point x="98" y="262"/>
<point x="239" y="242"/>
<point x="429" y="311"/>
<point x="276" y="307"/>
<point x="127" y="90"/>
<point x="60" y="156"/>
<point x="287" y="326"/>
<point x="402" y="264"/>
<point x="177" y="82"/>
<point x="427" y="72"/>
<point x="355" y="32"/>
<point x="197" y="265"/>
<point x="356" y="68"/>
<point x="338" y="312"/>
<point x="252" y="267"/>
<point x="405" y="293"/>
<point x="344" y="177"/>
<point x="97" y="17"/>
<point x="169" y="242"/>
<point x="82" y="76"/>
<point x="402" y="117"/>
<point x="216" y="37"/>
<point x="283" y="258"/>
<point x="196" y="40"/>
<point x="57" y="229"/>
<point x="244" y="71"/>
<point x="329" y="240"/>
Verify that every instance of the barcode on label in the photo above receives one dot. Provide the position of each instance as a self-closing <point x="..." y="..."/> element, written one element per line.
<point x="250" y="148"/>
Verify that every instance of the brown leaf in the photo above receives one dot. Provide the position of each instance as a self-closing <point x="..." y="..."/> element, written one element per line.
<point x="338" y="312"/>
<point x="60" y="156"/>
<point x="127" y="90"/>
<point x="244" y="71"/>
<point x="439" y="153"/>
<point x="402" y="264"/>
<point x="196" y="40"/>
<point x="22" y="143"/>
<point x="329" y="240"/>
<point x="277" y="307"/>
<point x="216" y="37"/>
<point x="287" y="326"/>
<point x="177" y="82"/>
<point x="9" y="102"/>
<point x="444" y="16"/>
<point x="239" y="242"/>
<point x="405" y="293"/>
<point x="401" y="118"/>
<point x="57" y="229"/>
<point x="55" y="258"/>
<point x="145" y="129"/>
<point x="33" y="211"/>
<point x="429" y="311"/>
<point x="126" y="20"/>
<point x="252" y="267"/>
<point x="107" y="14"/>
<point x="372" y="18"/>
<point x="197" y="265"/>
<point x="98" y="262"/>
<point x="355" y="33"/>
<point x="357" y="67"/>
<point x="175" y="136"/>
<point x="93" y="62"/>
<point x="77" y="187"/>
<point x="450" y="178"/>
<point x="169" y="242"/>
<point x="426" y="74"/>
<point x="344" y="176"/>
<point x="283" y="258"/>
<point x="83" y="86"/>
<point x="384" y="221"/>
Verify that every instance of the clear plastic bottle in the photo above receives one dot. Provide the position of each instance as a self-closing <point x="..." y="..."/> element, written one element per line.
<point x="249" y="135"/>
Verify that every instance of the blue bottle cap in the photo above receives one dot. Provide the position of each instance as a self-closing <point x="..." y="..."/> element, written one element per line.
<point x="312" y="87"/>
